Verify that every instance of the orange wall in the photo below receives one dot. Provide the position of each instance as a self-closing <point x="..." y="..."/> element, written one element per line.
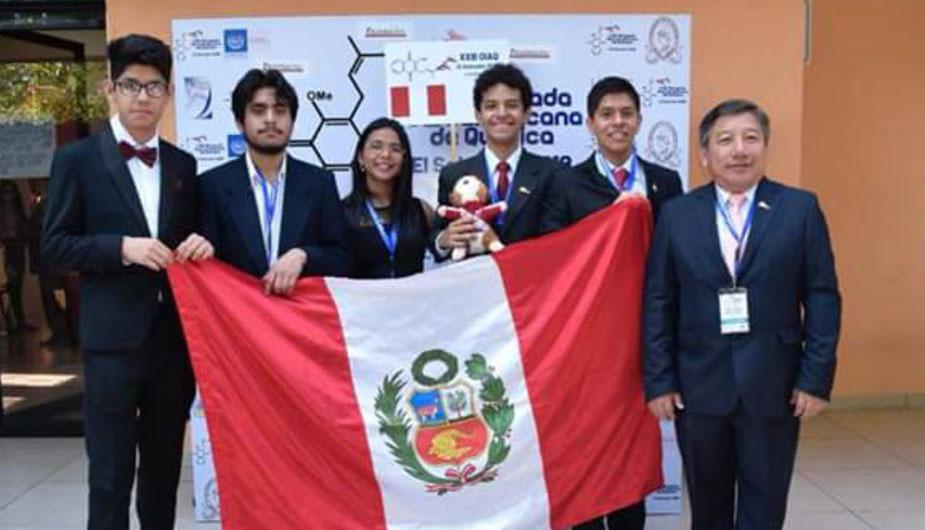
<point x="740" y="48"/>
<point x="864" y="153"/>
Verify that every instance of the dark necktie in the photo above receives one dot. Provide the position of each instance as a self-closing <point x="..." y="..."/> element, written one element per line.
<point x="503" y="181"/>
<point x="147" y="155"/>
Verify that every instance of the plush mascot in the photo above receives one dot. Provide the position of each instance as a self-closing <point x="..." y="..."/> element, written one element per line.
<point x="468" y="199"/>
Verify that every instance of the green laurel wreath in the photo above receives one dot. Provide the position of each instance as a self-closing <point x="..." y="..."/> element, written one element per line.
<point x="395" y="424"/>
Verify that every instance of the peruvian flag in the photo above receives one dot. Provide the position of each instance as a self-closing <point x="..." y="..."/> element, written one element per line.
<point x="503" y="392"/>
<point x="400" y="100"/>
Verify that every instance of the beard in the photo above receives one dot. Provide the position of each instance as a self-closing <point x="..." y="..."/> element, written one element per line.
<point x="266" y="148"/>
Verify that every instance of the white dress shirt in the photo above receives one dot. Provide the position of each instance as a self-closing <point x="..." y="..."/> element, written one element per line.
<point x="277" y="221"/>
<point x="147" y="180"/>
<point x="606" y="169"/>
<point x="727" y="242"/>
<point x="492" y="161"/>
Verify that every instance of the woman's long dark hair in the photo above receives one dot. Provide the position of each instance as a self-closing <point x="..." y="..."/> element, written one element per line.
<point x="401" y="206"/>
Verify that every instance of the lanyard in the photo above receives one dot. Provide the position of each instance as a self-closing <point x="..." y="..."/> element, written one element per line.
<point x="389" y="237"/>
<point x="604" y="165"/>
<point x="738" y="236"/>
<point x="270" y="196"/>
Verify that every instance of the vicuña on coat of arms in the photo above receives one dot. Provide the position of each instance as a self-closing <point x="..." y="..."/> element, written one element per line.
<point x="444" y="431"/>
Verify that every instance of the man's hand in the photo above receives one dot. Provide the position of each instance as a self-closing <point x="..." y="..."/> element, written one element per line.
<point x="147" y="252"/>
<point x="458" y="233"/>
<point x="806" y="405"/>
<point x="626" y="195"/>
<point x="663" y="407"/>
<point x="194" y="248"/>
<point x="283" y="275"/>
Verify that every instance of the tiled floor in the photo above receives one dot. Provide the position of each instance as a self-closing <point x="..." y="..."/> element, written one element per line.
<point x="855" y="470"/>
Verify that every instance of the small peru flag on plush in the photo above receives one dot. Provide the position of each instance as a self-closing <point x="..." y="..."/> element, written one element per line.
<point x="400" y="97"/>
<point x="503" y="392"/>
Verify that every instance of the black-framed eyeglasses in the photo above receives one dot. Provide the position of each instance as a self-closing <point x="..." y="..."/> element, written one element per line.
<point x="131" y="88"/>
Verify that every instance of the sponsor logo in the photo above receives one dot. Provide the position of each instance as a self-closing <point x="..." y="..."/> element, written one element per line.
<point x="196" y="44"/>
<point x="198" y="92"/>
<point x="662" y="145"/>
<point x="236" y="145"/>
<point x="664" y="42"/>
<point x="612" y="39"/>
<point x="662" y="91"/>
<point x="235" y="41"/>
<point x="448" y="431"/>
<point x="385" y="33"/>
<point x="531" y="53"/>
<point x="204" y="150"/>
<point x="291" y="69"/>
<point x="211" y="510"/>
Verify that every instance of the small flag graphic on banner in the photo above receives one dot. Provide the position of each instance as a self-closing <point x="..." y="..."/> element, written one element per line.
<point x="436" y="100"/>
<point x="401" y="101"/>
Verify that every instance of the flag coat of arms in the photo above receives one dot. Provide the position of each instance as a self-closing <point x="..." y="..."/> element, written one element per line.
<point x="503" y="392"/>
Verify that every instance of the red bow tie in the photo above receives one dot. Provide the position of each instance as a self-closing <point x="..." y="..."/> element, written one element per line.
<point x="148" y="155"/>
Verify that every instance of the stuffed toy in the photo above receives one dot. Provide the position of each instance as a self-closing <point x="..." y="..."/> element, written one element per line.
<point x="469" y="199"/>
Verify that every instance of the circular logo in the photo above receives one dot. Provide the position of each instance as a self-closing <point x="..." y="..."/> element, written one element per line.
<point x="664" y="41"/>
<point x="663" y="144"/>
<point x="236" y="41"/>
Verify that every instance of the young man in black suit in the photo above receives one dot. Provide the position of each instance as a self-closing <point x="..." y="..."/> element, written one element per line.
<point x="530" y="184"/>
<point x="611" y="172"/>
<point x="614" y="169"/>
<point x="267" y="213"/>
<point x="121" y="206"/>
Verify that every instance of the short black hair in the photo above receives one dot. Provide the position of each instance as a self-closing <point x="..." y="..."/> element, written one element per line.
<point x="733" y="107"/>
<point x="607" y="86"/>
<point x="138" y="49"/>
<point x="502" y="74"/>
<point x="254" y="80"/>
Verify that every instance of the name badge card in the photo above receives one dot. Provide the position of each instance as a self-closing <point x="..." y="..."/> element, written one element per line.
<point x="733" y="311"/>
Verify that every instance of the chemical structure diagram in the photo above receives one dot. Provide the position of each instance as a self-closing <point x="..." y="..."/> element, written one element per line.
<point x="331" y="122"/>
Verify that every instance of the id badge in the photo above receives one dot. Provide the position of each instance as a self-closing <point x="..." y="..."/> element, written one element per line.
<point x="733" y="311"/>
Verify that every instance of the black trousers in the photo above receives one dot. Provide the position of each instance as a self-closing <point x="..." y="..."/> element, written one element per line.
<point x="738" y="468"/>
<point x="632" y="517"/>
<point x="137" y="401"/>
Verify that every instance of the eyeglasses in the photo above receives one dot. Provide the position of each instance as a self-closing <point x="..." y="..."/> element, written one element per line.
<point x="131" y="88"/>
<point x="379" y="148"/>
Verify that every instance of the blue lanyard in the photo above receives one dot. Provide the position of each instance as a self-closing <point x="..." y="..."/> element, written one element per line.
<point x="270" y="197"/>
<point x="739" y="237"/>
<point x="389" y="237"/>
<point x="605" y="166"/>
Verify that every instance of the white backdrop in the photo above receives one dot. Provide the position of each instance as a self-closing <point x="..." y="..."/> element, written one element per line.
<point x="337" y="67"/>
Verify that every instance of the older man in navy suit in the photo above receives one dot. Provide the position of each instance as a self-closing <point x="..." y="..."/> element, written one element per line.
<point x="741" y="323"/>
<point x="267" y="213"/>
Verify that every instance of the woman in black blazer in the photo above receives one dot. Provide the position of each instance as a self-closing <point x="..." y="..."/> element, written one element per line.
<point x="388" y="226"/>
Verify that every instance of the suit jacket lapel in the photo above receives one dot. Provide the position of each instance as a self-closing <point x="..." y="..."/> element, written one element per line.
<point x="170" y="186"/>
<point x="524" y="177"/>
<point x="244" y="209"/>
<point x="713" y="249"/>
<point x="295" y="211"/>
<point x="121" y="177"/>
<point x="766" y="195"/>
<point x="653" y="190"/>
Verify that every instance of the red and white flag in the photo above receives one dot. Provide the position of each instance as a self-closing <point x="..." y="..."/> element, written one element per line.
<point x="504" y="392"/>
